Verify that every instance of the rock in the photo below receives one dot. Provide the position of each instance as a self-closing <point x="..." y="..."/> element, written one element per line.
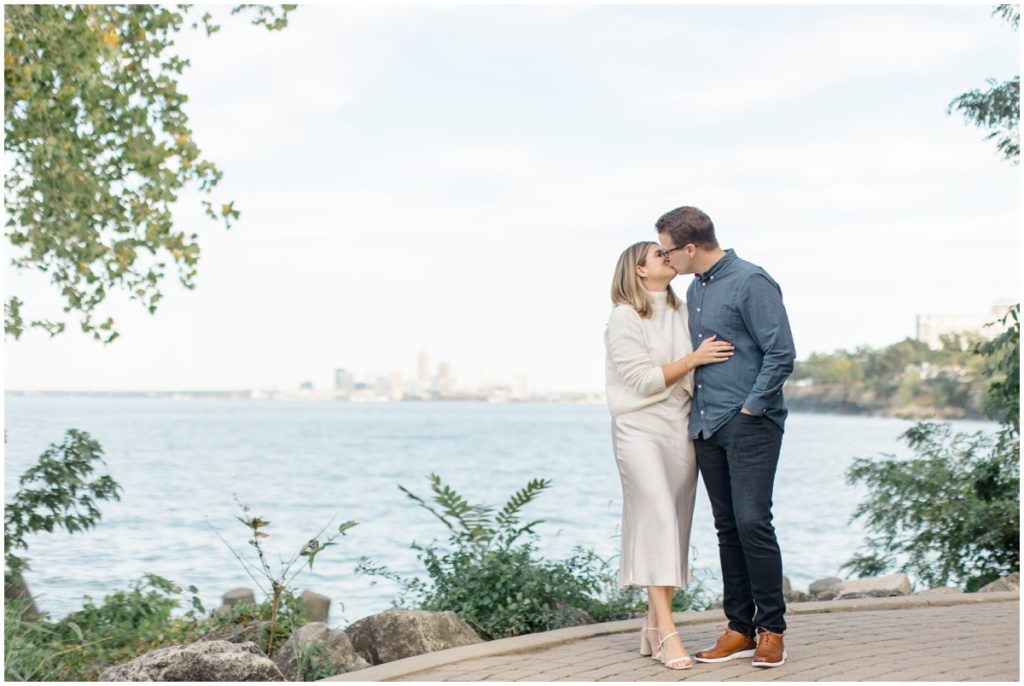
<point x="317" y="606"/>
<point x="786" y="586"/>
<point x="238" y="595"/>
<point x="874" y="587"/>
<point x="202" y="661"/>
<point x="15" y="588"/>
<point x="940" y="590"/>
<point x="797" y="596"/>
<point x="256" y="631"/>
<point x="825" y="589"/>
<point x="396" y="634"/>
<point x="340" y="653"/>
<point x="1010" y="582"/>
<point x="576" y="616"/>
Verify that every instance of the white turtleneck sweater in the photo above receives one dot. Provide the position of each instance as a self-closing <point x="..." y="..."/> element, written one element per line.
<point x="636" y="349"/>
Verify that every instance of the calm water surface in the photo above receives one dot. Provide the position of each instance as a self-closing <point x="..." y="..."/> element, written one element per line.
<point x="300" y="464"/>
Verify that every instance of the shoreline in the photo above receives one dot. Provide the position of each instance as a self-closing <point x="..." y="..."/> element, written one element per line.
<point x="801" y="406"/>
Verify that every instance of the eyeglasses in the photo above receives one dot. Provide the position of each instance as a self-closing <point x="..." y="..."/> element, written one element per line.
<point x="666" y="253"/>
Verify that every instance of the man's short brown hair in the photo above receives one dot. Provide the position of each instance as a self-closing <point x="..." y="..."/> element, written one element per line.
<point x="688" y="225"/>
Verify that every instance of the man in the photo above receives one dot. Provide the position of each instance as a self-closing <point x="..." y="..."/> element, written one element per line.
<point x="736" y="421"/>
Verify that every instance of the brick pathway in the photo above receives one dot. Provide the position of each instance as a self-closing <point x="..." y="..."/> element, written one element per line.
<point x="956" y="643"/>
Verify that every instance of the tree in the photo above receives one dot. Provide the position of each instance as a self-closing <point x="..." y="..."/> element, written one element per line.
<point x="55" y="495"/>
<point x="952" y="512"/>
<point x="99" y="148"/>
<point x="998" y="107"/>
<point x="1003" y="352"/>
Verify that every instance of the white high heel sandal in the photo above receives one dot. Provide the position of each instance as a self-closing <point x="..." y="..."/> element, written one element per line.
<point x="645" y="643"/>
<point x="660" y="656"/>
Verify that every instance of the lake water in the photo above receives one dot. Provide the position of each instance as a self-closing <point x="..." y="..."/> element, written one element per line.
<point x="299" y="464"/>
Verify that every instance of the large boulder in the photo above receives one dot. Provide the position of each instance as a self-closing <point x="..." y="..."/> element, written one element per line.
<point x="874" y="587"/>
<point x="1011" y="582"/>
<point x="202" y="661"/>
<point x="335" y="642"/>
<point x="825" y="589"/>
<point x="792" y="596"/>
<point x="397" y="634"/>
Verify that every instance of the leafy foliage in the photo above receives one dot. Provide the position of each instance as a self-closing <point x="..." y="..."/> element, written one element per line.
<point x="477" y="527"/>
<point x="952" y="513"/>
<point x="125" y="624"/>
<point x="492" y="575"/>
<point x="904" y="374"/>
<point x="279" y="583"/>
<point x="55" y="493"/>
<point x="98" y="149"/>
<point x="315" y="663"/>
<point x="996" y="108"/>
<point x="1003" y="353"/>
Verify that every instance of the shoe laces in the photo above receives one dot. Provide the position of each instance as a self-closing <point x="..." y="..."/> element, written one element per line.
<point x="767" y="637"/>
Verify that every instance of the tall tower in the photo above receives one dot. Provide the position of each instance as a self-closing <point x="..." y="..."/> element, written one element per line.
<point x="423" y="368"/>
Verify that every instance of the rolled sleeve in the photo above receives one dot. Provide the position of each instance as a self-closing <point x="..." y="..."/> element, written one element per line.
<point x="627" y="348"/>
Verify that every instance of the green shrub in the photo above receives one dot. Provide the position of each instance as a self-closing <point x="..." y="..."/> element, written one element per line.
<point x="30" y="647"/>
<point x="952" y="512"/>
<point x="78" y="647"/>
<point x="127" y="624"/>
<point x="315" y="663"/>
<point x="278" y="587"/>
<point x="492" y="575"/>
<point x="54" y="494"/>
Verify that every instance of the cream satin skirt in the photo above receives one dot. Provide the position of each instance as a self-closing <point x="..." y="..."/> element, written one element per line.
<point x="658" y="468"/>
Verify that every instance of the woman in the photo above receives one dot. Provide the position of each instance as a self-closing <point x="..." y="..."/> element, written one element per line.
<point x="649" y="386"/>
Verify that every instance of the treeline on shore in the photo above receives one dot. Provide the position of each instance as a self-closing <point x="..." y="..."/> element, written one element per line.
<point x="906" y="379"/>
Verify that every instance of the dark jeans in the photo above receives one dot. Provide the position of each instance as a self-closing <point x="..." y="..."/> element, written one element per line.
<point x="738" y="467"/>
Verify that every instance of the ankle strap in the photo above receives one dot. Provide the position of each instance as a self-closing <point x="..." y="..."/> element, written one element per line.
<point x="674" y="633"/>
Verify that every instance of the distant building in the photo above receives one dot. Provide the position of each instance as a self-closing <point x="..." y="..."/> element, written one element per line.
<point x="397" y="384"/>
<point x="344" y="382"/>
<point x="443" y="383"/>
<point x="519" y="388"/>
<point x="423" y="368"/>
<point x="306" y="386"/>
<point x="932" y="327"/>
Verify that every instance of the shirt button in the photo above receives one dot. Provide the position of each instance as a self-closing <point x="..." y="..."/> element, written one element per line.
<point x="700" y="335"/>
<point x="699" y="386"/>
<point x="698" y="309"/>
<point x="702" y="411"/>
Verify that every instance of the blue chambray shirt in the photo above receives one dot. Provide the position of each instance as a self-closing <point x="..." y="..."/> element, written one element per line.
<point x="741" y="304"/>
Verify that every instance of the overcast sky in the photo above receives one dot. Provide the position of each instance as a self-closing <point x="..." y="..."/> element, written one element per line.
<point x="462" y="180"/>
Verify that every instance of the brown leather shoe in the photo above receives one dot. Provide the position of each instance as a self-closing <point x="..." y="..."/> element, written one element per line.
<point x="771" y="651"/>
<point x="729" y="646"/>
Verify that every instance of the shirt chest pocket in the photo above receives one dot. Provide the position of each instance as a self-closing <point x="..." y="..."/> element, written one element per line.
<point x="732" y="323"/>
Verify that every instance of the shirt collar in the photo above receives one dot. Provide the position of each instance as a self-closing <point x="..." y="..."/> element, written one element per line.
<point x="723" y="263"/>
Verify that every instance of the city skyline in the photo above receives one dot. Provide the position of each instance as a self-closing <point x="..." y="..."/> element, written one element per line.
<point x="462" y="179"/>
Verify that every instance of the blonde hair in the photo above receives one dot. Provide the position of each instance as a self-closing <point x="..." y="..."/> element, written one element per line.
<point x="628" y="287"/>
